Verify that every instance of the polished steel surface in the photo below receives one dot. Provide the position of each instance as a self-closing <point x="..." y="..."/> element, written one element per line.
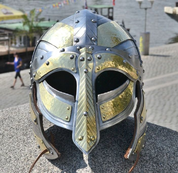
<point x="53" y="105"/>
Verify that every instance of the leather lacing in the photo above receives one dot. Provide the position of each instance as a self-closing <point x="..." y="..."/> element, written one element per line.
<point x="136" y="161"/>
<point x="43" y="152"/>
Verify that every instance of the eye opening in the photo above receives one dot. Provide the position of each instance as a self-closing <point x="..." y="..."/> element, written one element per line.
<point x="108" y="81"/>
<point x="62" y="81"/>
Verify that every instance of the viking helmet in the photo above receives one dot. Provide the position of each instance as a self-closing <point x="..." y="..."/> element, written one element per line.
<point x="86" y="75"/>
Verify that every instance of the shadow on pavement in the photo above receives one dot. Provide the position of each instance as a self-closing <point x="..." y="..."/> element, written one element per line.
<point x="158" y="55"/>
<point x="159" y="155"/>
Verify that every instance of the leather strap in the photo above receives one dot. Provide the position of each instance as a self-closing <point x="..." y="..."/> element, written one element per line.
<point x="43" y="152"/>
<point x="136" y="161"/>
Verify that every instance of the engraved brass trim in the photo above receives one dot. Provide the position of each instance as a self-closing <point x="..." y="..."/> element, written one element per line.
<point x="85" y="127"/>
<point x="53" y="105"/>
<point x="114" y="61"/>
<point x="140" y="143"/>
<point x="143" y="115"/>
<point x="40" y="143"/>
<point x="60" y="35"/>
<point x="33" y="116"/>
<point x="110" y="34"/>
<point x="58" y="61"/>
<point x="117" y="105"/>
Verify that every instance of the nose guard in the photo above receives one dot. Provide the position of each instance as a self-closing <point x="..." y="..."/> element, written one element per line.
<point x="85" y="130"/>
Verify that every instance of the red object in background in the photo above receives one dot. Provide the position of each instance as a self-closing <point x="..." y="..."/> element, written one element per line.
<point x="86" y="6"/>
<point x="113" y="2"/>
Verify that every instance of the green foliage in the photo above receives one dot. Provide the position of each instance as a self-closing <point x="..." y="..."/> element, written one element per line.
<point x="31" y="21"/>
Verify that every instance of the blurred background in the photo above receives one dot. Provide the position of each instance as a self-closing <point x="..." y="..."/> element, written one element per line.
<point x="159" y="24"/>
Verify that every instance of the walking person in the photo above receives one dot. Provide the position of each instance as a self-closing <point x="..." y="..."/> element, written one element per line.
<point x="17" y="64"/>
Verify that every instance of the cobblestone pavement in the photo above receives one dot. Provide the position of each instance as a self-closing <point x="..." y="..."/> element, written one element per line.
<point x="13" y="97"/>
<point x="161" y="86"/>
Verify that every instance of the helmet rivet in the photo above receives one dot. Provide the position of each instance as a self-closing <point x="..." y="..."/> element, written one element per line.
<point x="93" y="39"/>
<point x="30" y="62"/>
<point x="99" y="56"/>
<point x="80" y="138"/>
<point x="97" y="68"/>
<point x="78" y="47"/>
<point x="77" y="11"/>
<point x="62" y="50"/>
<point x="76" y="40"/>
<point x="34" y="74"/>
<point x="140" y="77"/>
<point x="130" y="56"/>
<point x="30" y="65"/>
<point x="141" y="119"/>
<point x="142" y="83"/>
<point x="92" y="138"/>
<point x="90" y="47"/>
<point x="104" y="116"/>
<point x="71" y="56"/>
<point x="77" y="21"/>
<point x="89" y="58"/>
<point x="67" y="118"/>
<point x="35" y="120"/>
<point x="107" y="49"/>
<point x="85" y="113"/>
<point x="31" y="78"/>
<point x="82" y="58"/>
<point x="143" y="71"/>
<point x="93" y="20"/>
<point x="68" y="108"/>
<point x="124" y="61"/>
<point x="47" y="63"/>
<point x="85" y="71"/>
<point x="42" y="57"/>
<point x="73" y="69"/>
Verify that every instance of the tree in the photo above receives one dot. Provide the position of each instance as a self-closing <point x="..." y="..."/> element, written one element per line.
<point x="31" y="22"/>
